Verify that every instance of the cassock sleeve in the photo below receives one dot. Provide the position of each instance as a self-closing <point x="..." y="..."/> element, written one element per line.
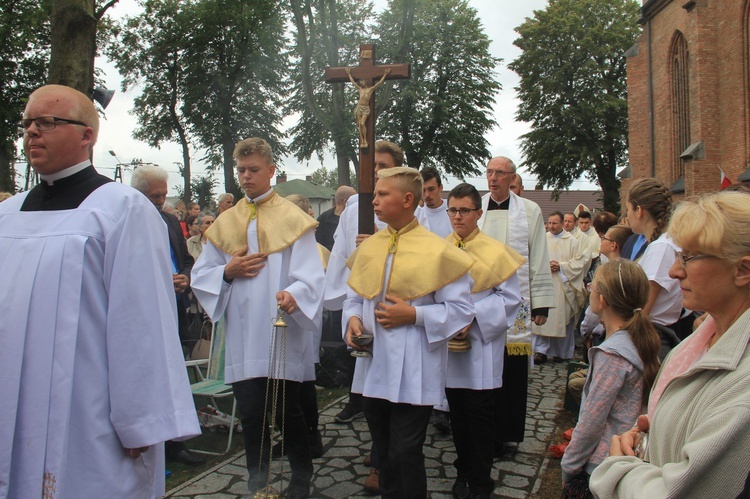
<point x="207" y="281"/>
<point x="497" y="312"/>
<point x="574" y="267"/>
<point x="452" y="311"/>
<point x="353" y="306"/>
<point x="150" y="396"/>
<point x="337" y="273"/>
<point x="307" y="282"/>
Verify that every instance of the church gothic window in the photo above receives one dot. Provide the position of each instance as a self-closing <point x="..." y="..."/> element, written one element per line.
<point x="679" y="57"/>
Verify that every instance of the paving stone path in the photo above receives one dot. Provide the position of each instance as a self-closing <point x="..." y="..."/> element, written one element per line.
<point x="340" y="472"/>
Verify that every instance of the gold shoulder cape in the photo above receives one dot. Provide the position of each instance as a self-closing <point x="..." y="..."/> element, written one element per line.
<point x="422" y="263"/>
<point x="280" y="223"/>
<point x="496" y="261"/>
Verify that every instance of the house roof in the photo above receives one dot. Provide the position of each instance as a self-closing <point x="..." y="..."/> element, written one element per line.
<point x="568" y="201"/>
<point x="305" y="188"/>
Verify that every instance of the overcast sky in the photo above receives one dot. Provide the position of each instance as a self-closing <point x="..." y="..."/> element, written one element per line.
<point x="499" y="18"/>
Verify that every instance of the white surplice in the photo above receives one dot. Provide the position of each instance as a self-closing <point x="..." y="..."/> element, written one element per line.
<point x="344" y="244"/>
<point x="438" y="219"/>
<point x="91" y="359"/>
<point x="408" y="363"/>
<point x="249" y="305"/>
<point x="481" y="368"/>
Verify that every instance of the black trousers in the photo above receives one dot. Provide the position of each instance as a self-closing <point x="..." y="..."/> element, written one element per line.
<point x="252" y="405"/>
<point x="473" y="428"/>
<point x="510" y="402"/>
<point x="398" y="434"/>
<point x="309" y="404"/>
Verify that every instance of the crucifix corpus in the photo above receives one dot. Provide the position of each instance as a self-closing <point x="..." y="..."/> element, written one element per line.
<point x="366" y="77"/>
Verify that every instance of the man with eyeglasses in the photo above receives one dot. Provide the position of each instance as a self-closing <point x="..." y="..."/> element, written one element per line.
<point x="92" y="367"/>
<point x="473" y="377"/>
<point x="517" y="222"/>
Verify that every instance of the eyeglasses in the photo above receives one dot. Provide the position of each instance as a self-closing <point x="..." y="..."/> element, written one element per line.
<point x="685" y="259"/>
<point x="452" y="212"/>
<point x="498" y="173"/>
<point x="604" y="238"/>
<point x="45" y="123"/>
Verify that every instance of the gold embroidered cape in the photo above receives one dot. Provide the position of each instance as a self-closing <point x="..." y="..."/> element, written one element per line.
<point x="279" y="224"/>
<point x="496" y="262"/>
<point x="422" y="263"/>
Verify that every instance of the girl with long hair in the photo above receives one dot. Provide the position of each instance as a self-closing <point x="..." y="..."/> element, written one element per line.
<point x="622" y="371"/>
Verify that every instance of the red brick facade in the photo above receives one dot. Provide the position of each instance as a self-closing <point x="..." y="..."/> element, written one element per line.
<point x="716" y="36"/>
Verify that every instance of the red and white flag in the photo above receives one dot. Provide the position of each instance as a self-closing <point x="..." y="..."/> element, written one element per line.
<point x="725" y="182"/>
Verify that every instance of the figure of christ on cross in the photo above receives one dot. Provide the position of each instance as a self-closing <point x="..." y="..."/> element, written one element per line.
<point x="369" y="76"/>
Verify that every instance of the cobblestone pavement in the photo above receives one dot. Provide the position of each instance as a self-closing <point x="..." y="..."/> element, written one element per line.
<point x="340" y="472"/>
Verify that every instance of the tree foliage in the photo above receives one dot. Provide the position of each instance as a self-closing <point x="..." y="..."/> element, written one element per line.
<point x="212" y="72"/>
<point x="573" y="91"/>
<point x="24" y="55"/>
<point x="328" y="178"/>
<point x="326" y="33"/>
<point x="440" y="115"/>
<point x="147" y="50"/>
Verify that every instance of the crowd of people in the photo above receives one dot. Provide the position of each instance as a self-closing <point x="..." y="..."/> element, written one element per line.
<point x="446" y="306"/>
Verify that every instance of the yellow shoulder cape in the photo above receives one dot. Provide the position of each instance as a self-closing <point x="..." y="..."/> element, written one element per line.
<point x="280" y="223"/>
<point x="496" y="262"/>
<point x="422" y="263"/>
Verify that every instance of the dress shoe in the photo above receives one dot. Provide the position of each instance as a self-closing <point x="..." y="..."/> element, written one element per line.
<point x="372" y="483"/>
<point x="442" y="422"/>
<point x="297" y="491"/>
<point x="190" y="458"/>
<point x="461" y="489"/>
<point x="540" y="358"/>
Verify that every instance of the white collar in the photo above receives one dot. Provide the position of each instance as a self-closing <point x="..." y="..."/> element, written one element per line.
<point x="261" y="197"/>
<point x="67" y="172"/>
<point x="435" y="210"/>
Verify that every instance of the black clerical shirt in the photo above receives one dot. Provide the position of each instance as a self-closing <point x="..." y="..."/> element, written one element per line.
<point x="66" y="193"/>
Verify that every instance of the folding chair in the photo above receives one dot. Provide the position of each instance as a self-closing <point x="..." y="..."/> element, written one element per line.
<point x="212" y="384"/>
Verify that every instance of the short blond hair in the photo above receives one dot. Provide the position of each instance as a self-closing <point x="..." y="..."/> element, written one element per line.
<point x="253" y="145"/>
<point x="301" y="201"/>
<point x="716" y="224"/>
<point x="408" y="180"/>
<point x="386" y="146"/>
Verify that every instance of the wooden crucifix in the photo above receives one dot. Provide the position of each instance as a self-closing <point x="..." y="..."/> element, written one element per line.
<point x="367" y="77"/>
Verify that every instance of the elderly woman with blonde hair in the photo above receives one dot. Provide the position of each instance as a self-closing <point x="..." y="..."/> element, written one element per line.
<point x="695" y="438"/>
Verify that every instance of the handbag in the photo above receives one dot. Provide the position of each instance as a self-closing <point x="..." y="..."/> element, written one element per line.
<point x="203" y="346"/>
<point x="577" y="488"/>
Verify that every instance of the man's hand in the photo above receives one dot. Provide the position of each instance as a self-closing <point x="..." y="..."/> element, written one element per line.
<point x="286" y="302"/>
<point x="136" y="453"/>
<point x="244" y="265"/>
<point x="539" y="320"/>
<point x="180" y="282"/>
<point x="463" y="332"/>
<point x="624" y="445"/>
<point x="554" y="266"/>
<point x="354" y="328"/>
<point x="398" y="314"/>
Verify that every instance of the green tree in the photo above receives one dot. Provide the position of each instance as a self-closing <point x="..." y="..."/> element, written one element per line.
<point x="329" y="178"/>
<point x="148" y="50"/>
<point x="235" y="76"/>
<point x="440" y="115"/>
<point x="326" y="33"/>
<point x="24" y="57"/>
<point x="573" y="91"/>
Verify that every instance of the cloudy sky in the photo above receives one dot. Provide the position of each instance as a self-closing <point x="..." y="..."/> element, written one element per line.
<point x="499" y="17"/>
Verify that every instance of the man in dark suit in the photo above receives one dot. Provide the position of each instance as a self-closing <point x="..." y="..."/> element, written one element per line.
<point x="151" y="180"/>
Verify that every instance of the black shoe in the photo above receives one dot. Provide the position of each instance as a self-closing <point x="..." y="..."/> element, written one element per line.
<point x="442" y="422"/>
<point x="540" y="358"/>
<point x="297" y="491"/>
<point x="316" y="444"/>
<point x="461" y="489"/>
<point x="190" y="458"/>
<point x="499" y="449"/>
<point x="348" y="414"/>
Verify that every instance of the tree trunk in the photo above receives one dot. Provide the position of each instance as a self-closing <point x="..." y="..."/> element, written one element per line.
<point x="73" y="44"/>
<point x="7" y="172"/>
<point x="610" y="185"/>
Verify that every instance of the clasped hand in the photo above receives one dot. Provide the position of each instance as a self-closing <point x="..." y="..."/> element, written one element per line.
<point x="244" y="265"/>
<point x="625" y="444"/>
<point x="398" y="314"/>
